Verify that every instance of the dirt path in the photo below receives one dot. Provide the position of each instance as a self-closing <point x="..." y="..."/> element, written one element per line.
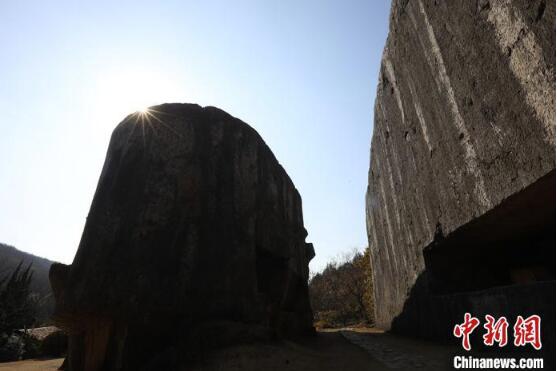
<point x="324" y="352"/>
<point x="396" y="352"/>
<point x="328" y="351"/>
<point x="340" y="349"/>
<point x="32" y="365"/>
<point x="344" y="349"/>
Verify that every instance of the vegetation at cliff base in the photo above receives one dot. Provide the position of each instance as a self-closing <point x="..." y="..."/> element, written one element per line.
<point x="341" y="295"/>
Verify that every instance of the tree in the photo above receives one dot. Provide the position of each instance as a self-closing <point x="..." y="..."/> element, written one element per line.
<point x="17" y="311"/>
<point x="17" y="308"/>
<point x="342" y="293"/>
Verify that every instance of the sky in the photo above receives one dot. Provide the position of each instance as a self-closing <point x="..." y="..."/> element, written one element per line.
<point x="302" y="73"/>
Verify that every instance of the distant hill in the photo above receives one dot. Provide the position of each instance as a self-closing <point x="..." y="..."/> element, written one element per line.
<point x="10" y="257"/>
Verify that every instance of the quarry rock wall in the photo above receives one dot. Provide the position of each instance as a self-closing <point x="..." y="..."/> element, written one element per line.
<point x="464" y="125"/>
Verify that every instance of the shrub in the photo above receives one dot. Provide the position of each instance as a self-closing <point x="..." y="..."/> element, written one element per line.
<point x="11" y="347"/>
<point x="54" y="344"/>
<point x="31" y="346"/>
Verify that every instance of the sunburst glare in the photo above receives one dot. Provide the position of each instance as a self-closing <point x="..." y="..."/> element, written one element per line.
<point x="135" y="89"/>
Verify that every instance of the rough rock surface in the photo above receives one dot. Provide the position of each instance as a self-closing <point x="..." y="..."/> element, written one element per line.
<point x="194" y="239"/>
<point x="461" y="195"/>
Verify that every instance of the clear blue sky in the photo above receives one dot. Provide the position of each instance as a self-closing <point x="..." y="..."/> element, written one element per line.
<point x="302" y="73"/>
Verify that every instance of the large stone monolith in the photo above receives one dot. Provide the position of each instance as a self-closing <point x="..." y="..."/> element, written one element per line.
<point x="195" y="239"/>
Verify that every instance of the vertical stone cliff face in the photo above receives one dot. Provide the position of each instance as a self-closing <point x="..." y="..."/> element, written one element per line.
<point x="461" y="201"/>
<point x="195" y="238"/>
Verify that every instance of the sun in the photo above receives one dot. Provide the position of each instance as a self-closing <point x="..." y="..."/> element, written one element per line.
<point x="122" y="90"/>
